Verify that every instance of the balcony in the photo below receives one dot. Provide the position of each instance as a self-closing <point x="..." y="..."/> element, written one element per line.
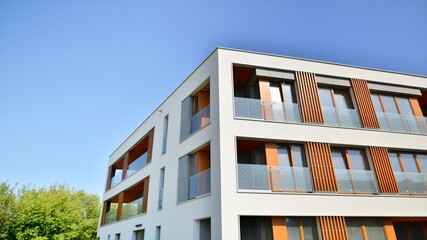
<point x="257" y="177"/>
<point x="274" y="111"/>
<point x="411" y="182"/>
<point x="117" y="178"/>
<point x="356" y="181"/>
<point x="137" y="165"/>
<point x="341" y="117"/>
<point x="131" y="209"/>
<point x="196" y="122"/>
<point x="402" y="123"/>
<point x="194" y="186"/>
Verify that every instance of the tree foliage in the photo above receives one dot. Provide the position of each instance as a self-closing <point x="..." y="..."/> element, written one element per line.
<point x="57" y="213"/>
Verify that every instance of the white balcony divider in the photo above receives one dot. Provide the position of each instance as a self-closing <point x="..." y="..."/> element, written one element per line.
<point x="194" y="186"/>
<point x="411" y="182"/>
<point x="196" y="122"/>
<point x="402" y="123"/>
<point x="137" y="165"/>
<point x="253" y="177"/>
<point x="291" y="179"/>
<point x="117" y="178"/>
<point x="356" y="181"/>
<point x="341" y="117"/>
<point x="131" y="209"/>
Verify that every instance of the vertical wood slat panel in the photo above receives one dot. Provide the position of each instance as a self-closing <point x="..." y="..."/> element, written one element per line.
<point x="321" y="167"/>
<point x="389" y="229"/>
<point x="265" y="96"/>
<point x="145" y="194"/>
<point x="150" y="145"/>
<point x="333" y="228"/>
<point x="309" y="100"/>
<point x="415" y="105"/>
<point x="279" y="228"/>
<point x="364" y="103"/>
<point x="383" y="170"/>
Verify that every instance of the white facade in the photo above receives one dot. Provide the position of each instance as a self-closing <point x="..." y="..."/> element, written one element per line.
<point x="226" y="202"/>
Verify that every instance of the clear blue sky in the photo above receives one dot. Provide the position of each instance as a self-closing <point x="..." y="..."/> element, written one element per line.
<point x="77" y="77"/>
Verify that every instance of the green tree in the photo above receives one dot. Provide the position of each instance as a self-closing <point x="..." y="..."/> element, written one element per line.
<point x="55" y="213"/>
<point x="7" y="205"/>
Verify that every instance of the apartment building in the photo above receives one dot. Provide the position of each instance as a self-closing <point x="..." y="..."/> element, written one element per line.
<point x="255" y="146"/>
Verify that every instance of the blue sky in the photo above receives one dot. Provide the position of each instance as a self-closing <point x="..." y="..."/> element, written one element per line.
<point x="77" y="77"/>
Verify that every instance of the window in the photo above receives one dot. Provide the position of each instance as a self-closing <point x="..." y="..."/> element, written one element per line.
<point x="337" y="107"/>
<point x="195" y="112"/>
<point x="117" y="237"/>
<point x="291" y="155"/>
<point x="391" y="104"/>
<point x="204" y="229"/>
<point x="409" y="230"/>
<point x="161" y="187"/>
<point x="165" y="133"/>
<point x="282" y="92"/>
<point x="409" y="170"/>
<point x="365" y="228"/>
<point x="139" y="235"/>
<point x="158" y="229"/>
<point x="352" y="171"/>
<point x="301" y="228"/>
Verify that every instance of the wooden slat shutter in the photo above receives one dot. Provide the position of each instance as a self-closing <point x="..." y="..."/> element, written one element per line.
<point x="322" y="168"/>
<point x="333" y="228"/>
<point x="383" y="170"/>
<point x="308" y="95"/>
<point x="364" y="103"/>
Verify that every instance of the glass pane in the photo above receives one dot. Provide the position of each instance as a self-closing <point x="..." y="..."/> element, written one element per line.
<point x="293" y="228"/>
<point x="377" y="103"/>
<point x="289" y="92"/>
<point x="343" y="99"/>
<point x="416" y="230"/>
<point x="283" y="152"/>
<point x="354" y="228"/>
<point x="358" y="159"/>
<point x="390" y="105"/>
<point x="422" y="159"/>
<point x="275" y="92"/>
<point x="399" y="229"/>
<point x="299" y="157"/>
<point x="338" y="158"/>
<point x="326" y="97"/>
<point x="395" y="162"/>
<point x="309" y="228"/>
<point x="409" y="162"/>
<point x="374" y="228"/>
<point x="405" y="106"/>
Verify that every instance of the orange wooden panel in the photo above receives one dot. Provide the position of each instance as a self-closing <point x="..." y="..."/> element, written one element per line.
<point x="110" y="172"/>
<point x="125" y="165"/>
<point x="145" y="194"/>
<point x="271" y="155"/>
<point x="120" y="206"/>
<point x="203" y="161"/>
<point x="203" y="99"/>
<point x="364" y="103"/>
<point x="389" y="229"/>
<point x="322" y="168"/>
<point x="416" y="109"/>
<point x="279" y="228"/>
<point x="333" y="228"/>
<point x="265" y="96"/>
<point x="104" y="213"/>
<point x="309" y="100"/>
<point x="383" y="170"/>
<point x="150" y="145"/>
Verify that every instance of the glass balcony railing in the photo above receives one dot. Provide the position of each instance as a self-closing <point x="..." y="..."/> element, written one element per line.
<point x="137" y="165"/>
<point x="291" y="179"/>
<point x="117" y="178"/>
<point x="110" y="216"/>
<point x="341" y="117"/>
<point x="194" y="186"/>
<point x="356" y="181"/>
<point x="402" y="123"/>
<point x="411" y="182"/>
<point x="131" y="209"/>
<point x="257" y="177"/>
<point x="274" y="111"/>
<point x="196" y="122"/>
